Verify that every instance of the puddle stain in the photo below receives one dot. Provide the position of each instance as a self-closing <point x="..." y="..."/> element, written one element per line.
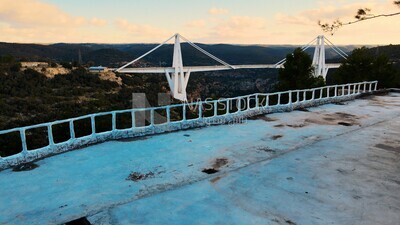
<point x="216" y="166"/>
<point x="388" y="148"/>
<point x="276" y="137"/>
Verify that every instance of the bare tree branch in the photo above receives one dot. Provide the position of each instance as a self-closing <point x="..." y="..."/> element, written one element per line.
<point x="362" y="15"/>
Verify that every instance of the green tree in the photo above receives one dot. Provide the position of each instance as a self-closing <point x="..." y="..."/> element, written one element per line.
<point x="362" y="65"/>
<point x="16" y="67"/>
<point x="298" y="72"/>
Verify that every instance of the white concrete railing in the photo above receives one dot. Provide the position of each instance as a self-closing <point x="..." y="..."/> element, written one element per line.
<point x="262" y="104"/>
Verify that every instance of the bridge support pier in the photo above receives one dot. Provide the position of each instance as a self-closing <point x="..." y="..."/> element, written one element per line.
<point x="178" y="79"/>
<point x="320" y="68"/>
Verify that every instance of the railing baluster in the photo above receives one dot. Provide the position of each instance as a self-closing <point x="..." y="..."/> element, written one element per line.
<point x="152" y="117"/>
<point x="279" y="99"/>
<point x="114" y="121"/>
<point x="133" y="118"/>
<point x="376" y="86"/>
<point x="239" y="103"/>
<point x="93" y="123"/>
<point x="257" y="101"/>
<point x="50" y="134"/>
<point x="227" y="106"/>
<point x="327" y="92"/>
<point x="336" y="89"/>
<point x="313" y="94"/>
<point x="168" y="114"/>
<point x="290" y="98"/>
<point x="248" y="103"/>
<point x="71" y="130"/>
<point x="349" y="89"/>
<point x="298" y="96"/>
<point x="23" y="141"/>
<point x="267" y="100"/>
<point x="321" y="93"/>
<point x="216" y="108"/>
<point x="200" y="110"/>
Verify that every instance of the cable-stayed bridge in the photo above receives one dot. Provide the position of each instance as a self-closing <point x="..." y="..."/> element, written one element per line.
<point x="178" y="75"/>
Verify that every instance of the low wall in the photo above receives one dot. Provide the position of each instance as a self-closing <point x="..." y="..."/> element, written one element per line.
<point x="262" y="105"/>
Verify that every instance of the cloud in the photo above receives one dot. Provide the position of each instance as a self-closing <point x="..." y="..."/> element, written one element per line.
<point x="40" y="22"/>
<point x="98" y="22"/>
<point x="217" y="11"/>
<point x="25" y="13"/>
<point x="140" y="30"/>
<point x="196" y="24"/>
<point x="239" y="29"/>
<point x="329" y="12"/>
<point x="380" y="30"/>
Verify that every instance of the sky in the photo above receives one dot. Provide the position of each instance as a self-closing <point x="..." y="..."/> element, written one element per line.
<point x="206" y="21"/>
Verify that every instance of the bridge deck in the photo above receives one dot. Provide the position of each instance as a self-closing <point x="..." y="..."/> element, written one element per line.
<point x="206" y="68"/>
<point x="298" y="167"/>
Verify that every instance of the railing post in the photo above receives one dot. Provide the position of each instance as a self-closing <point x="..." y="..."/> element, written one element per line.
<point x="376" y="86"/>
<point x="216" y="108"/>
<point x="184" y="112"/>
<point x="133" y="117"/>
<point x="354" y="89"/>
<point x="336" y="89"/>
<point x="327" y="92"/>
<point x="114" y="121"/>
<point x="23" y="141"/>
<point x="50" y="134"/>
<point x="365" y="86"/>
<point x="267" y="100"/>
<point x="321" y="92"/>
<point x="290" y="98"/>
<point x="279" y="99"/>
<point x="227" y="106"/>
<point x="313" y="94"/>
<point x="71" y="129"/>
<point x="93" y="123"/>
<point x="239" y="103"/>
<point x="304" y="96"/>
<point x="151" y="117"/>
<point x="370" y="86"/>
<point x="342" y="90"/>
<point x="168" y="109"/>
<point x="348" y="89"/>
<point x="200" y="110"/>
<point x="358" y="88"/>
<point x="257" y="99"/>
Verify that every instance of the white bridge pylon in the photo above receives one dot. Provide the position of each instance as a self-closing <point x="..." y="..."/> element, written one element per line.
<point x="178" y="75"/>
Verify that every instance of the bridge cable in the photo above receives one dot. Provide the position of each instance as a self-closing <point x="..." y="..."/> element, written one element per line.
<point x="339" y="53"/>
<point x="303" y="48"/>
<point x="344" y="54"/>
<point x="207" y="53"/>
<point x="152" y="50"/>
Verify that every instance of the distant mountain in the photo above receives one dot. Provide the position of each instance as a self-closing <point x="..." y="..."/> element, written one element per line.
<point x="116" y="54"/>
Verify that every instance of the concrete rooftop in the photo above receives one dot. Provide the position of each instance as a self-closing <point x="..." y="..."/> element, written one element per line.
<point x="335" y="164"/>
